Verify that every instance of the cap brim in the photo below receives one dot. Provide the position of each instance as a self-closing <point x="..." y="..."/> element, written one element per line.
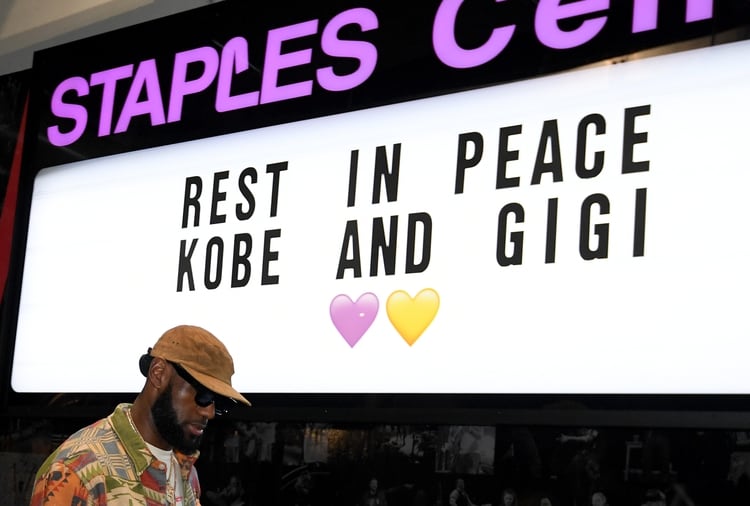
<point x="217" y="386"/>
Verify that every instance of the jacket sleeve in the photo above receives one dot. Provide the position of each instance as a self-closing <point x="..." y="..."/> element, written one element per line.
<point x="58" y="486"/>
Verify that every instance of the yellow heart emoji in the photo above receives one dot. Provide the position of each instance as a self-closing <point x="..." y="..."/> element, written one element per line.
<point x="411" y="316"/>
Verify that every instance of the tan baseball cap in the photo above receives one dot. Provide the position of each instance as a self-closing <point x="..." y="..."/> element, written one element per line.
<point x="202" y="355"/>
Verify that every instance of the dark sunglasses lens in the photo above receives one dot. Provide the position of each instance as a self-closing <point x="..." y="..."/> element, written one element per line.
<point x="204" y="398"/>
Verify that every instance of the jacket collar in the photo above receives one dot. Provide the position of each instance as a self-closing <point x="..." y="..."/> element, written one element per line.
<point x="134" y="444"/>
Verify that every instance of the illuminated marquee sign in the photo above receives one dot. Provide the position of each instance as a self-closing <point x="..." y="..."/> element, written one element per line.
<point x="547" y="235"/>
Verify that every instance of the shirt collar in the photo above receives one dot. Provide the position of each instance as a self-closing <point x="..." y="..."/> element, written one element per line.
<point x="134" y="444"/>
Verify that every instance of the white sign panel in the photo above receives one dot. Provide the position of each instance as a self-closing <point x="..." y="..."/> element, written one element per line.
<point x="580" y="233"/>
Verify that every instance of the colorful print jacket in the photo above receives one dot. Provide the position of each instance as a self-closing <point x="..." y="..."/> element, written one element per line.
<point x="108" y="463"/>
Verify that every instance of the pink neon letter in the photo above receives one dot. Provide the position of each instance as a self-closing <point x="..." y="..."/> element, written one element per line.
<point x="275" y="61"/>
<point x="75" y="112"/>
<point x="234" y="59"/>
<point x="450" y="53"/>
<point x="145" y="77"/>
<point x="180" y="87"/>
<point x="366" y="53"/>
<point x="698" y="10"/>
<point x="645" y="13"/>
<point x="549" y="12"/>
<point x="109" y="79"/>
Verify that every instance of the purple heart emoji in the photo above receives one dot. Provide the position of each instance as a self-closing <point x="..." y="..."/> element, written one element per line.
<point x="352" y="319"/>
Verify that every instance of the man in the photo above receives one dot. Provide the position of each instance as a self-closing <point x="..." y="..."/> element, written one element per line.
<point x="143" y="453"/>
<point x="373" y="496"/>
<point x="599" y="499"/>
<point x="459" y="497"/>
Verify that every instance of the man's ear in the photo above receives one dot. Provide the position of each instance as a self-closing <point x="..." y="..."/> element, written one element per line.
<point x="159" y="373"/>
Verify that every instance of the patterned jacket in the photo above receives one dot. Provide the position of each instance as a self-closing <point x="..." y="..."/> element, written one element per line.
<point x="108" y="463"/>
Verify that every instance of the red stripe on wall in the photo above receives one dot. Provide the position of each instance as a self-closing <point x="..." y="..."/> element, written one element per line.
<point x="7" y="217"/>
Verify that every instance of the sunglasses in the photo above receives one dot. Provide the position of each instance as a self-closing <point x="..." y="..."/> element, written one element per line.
<point x="203" y="396"/>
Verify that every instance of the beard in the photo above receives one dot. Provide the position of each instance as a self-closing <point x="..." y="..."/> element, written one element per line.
<point x="165" y="419"/>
